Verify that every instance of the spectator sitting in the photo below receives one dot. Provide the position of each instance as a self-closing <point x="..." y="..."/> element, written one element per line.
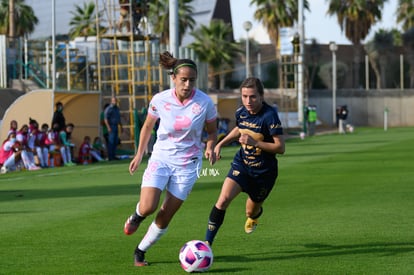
<point x="13" y="127"/>
<point x="10" y="154"/>
<point x="42" y="149"/>
<point x="87" y="153"/>
<point x="99" y="147"/>
<point x="53" y="141"/>
<point x="31" y="141"/>
<point x="27" y="152"/>
<point x="66" y="144"/>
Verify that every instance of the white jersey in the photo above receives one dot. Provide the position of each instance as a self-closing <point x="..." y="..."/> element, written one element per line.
<point x="181" y="125"/>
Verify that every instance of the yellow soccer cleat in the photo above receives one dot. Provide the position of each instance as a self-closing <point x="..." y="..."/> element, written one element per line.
<point x="250" y="225"/>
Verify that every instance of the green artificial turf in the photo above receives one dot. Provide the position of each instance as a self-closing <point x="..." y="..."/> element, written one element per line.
<point x="343" y="204"/>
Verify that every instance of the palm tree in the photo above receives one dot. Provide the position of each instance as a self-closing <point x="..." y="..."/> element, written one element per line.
<point x="25" y="19"/>
<point x="159" y="14"/>
<point x="213" y="45"/>
<point x="314" y="59"/>
<point x="408" y="42"/>
<point x="379" y="49"/>
<point x="405" y="14"/>
<point x="356" y="17"/>
<point x="83" y="22"/>
<point x="274" y="14"/>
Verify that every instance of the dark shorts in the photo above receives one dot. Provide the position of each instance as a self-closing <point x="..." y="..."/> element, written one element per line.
<point x="257" y="184"/>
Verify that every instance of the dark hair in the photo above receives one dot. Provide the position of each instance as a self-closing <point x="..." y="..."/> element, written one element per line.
<point x="24" y="126"/>
<point x="253" y="82"/>
<point x="169" y="62"/>
<point x="59" y="104"/>
<point x="33" y="122"/>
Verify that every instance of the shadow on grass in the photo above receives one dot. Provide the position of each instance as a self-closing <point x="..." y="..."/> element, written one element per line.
<point x="35" y="194"/>
<point x="323" y="250"/>
<point x="87" y="191"/>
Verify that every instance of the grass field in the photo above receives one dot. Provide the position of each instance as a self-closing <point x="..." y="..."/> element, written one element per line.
<point x="343" y="204"/>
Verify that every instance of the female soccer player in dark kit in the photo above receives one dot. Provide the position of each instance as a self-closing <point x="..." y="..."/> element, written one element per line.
<point x="254" y="168"/>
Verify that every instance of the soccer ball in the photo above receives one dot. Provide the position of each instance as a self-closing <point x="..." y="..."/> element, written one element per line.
<point x="3" y="170"/>
<point x="196" y="256"/>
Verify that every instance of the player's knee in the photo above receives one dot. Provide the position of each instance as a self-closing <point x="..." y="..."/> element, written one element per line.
<point x="223" y="203"/>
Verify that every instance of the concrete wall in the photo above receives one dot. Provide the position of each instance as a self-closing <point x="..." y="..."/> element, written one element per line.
<point x="366" y="108"/>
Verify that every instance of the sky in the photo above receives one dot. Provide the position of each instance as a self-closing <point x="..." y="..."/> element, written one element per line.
<point x="317" y="24"/>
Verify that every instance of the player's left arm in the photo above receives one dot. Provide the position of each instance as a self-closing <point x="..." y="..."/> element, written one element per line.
<point x="211" y="129"/>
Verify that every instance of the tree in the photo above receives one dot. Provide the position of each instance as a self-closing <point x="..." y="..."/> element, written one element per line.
<point x="408" y="42"/>
<point x="25" y="19"/>
<point x="83" y="22"/>
<point x="325" y="73"/>
<point x="314" y="59"/>
<point x="356" y="17"/>
<point x="160" y="18"/>
<point x="213" y="45"/>
<point x="274" y="14"/>
<point x="379" y="50"/>
<point x="405" y="14"/>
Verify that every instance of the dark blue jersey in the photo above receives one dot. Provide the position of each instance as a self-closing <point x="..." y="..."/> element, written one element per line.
<point x="262" y="127"/>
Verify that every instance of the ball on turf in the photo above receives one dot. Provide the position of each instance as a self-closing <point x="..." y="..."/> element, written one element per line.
<point x="196" y="256"/>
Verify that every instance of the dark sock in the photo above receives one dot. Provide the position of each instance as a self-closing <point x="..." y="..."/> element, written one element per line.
<point x="258" y="215"/>
<point x="139" y="255"/>
<point x="137" y="218"/>
<point x="215" y="221"/>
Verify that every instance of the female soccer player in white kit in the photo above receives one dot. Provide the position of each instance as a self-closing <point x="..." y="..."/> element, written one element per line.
<point x="184" y="112"/>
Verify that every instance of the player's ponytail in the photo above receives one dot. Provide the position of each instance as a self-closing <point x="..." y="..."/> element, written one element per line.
<point x="169" y="62"/>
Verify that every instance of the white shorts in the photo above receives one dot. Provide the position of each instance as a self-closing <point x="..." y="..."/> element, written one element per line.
<point x="177" y="179"/>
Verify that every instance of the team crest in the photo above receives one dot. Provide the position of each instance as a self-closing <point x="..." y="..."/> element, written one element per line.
<point x="211" y="227"/>
<point x="167" y="106"/>
<point x="153" y="108"/>
<point x="196" y="108"/>
<point x="236" y="173"/>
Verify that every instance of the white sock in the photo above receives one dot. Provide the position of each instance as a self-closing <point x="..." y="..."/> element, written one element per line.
<point x="153" y="235"/>
<point x="137" y="210"/>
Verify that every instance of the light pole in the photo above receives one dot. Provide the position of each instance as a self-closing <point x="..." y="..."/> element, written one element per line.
<point x="333" y="47"/>
<point x="53" y="46"/>
<point x="247" y="26"/>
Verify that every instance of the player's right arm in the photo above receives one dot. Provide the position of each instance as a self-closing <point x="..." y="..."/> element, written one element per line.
<point x="230" y="137"/>
<point x="144" y="138"/>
